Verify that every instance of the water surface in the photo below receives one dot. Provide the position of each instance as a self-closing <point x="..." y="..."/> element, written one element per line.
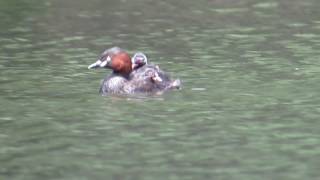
<point x="248" y="109"/>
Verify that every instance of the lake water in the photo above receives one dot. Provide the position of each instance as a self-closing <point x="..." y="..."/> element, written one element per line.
<point x="249" y="107"/>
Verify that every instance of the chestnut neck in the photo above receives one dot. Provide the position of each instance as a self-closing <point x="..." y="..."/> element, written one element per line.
<point x="121" y="64"/>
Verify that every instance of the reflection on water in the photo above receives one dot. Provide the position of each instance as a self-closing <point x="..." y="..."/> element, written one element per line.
<point x="248" y="108"/>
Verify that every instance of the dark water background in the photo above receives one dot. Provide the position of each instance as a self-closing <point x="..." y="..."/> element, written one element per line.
<point x="249" y="107"/>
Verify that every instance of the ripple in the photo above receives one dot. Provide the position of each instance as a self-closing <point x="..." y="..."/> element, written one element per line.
<point x="230" y="10"/>
<point x="266" y="5"/>
<point x="198" y="89"/>
<point x="307" y="36"/>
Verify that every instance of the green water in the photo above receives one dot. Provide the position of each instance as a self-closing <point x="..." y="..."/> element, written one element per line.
<point x="249" y="107"/>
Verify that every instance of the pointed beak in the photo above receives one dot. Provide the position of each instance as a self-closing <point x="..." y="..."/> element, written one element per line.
<point x="134" y="66"/>
<point x="95" y="65"/>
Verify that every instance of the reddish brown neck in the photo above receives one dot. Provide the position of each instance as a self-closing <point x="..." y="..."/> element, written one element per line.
<point x="121" y="63"/>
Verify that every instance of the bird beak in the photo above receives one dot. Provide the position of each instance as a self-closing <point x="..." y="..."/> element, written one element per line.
<point x="134" y="66"/>
<point x="98" y="64"/>
<point x="95" y="65"/>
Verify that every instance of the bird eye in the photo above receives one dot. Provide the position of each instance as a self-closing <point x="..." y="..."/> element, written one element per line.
<point x="104" y="57"/>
